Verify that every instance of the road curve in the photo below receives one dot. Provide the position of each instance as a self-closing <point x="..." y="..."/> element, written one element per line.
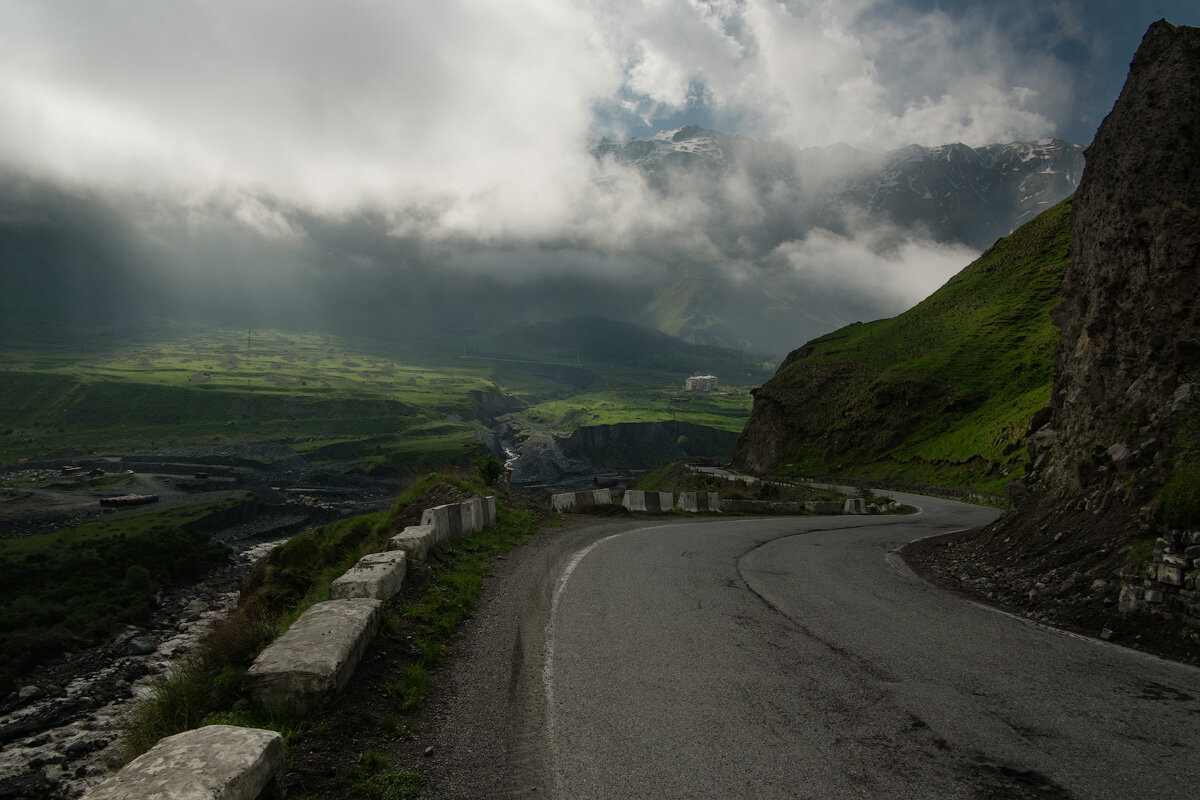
<point x="798" y="657"/>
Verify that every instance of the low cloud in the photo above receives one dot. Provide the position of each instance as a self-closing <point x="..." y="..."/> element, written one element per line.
<point x="887" y="268"/>
<point x="480" y="111"/>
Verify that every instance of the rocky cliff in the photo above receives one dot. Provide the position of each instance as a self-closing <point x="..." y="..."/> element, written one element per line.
<point x="1129" y="318"/>
<point x="1104" y="531"/>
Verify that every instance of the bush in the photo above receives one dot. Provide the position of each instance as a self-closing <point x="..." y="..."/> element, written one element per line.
<point x="489" y="468"/>
<point x="1179" y="500"/>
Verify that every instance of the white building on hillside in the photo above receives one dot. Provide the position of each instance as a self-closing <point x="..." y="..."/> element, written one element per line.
<point x="701" y="383"/>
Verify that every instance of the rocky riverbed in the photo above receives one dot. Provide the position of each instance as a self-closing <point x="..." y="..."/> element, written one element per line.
<point x="61" y="732"/>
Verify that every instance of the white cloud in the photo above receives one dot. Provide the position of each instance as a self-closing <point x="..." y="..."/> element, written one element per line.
<point x="891" y="268"/>
<point x="471" y="118"/>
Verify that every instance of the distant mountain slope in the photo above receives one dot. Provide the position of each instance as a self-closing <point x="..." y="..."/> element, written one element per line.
<point x="599" y="340"/>
<point x="958" y="193"/>
<point x="940" y="394"/>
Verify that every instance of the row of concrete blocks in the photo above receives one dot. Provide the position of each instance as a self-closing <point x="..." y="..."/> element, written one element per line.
<point x="312" y="661"/>
<point x="662" y="502"/>
<point x="694" y="502"/>
<point x="316" y="656"/>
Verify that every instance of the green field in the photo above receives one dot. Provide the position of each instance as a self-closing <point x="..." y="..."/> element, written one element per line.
<point x="221" y="386"/>
<point x="401" y="407"/>
<point x="941" y="394"/>
<point x="725" y="410"/>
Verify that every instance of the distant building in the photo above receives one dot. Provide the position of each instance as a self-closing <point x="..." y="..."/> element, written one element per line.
<point x="701" y="383"/>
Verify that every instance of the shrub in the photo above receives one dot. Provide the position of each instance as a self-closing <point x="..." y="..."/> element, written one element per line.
<point x="1179" y="500"/>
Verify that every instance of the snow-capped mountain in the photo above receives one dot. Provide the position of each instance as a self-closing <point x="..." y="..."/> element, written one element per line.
<point x="957" y="193"/>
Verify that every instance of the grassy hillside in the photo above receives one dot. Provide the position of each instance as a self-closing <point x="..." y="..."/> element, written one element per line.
<point x="941" y="394"/>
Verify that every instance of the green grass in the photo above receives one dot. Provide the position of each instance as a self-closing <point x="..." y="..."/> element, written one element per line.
<point x="288" y="388"/>
<point x="372" y="778"/>
<point x="395" y="407"/>
<point x="941" y="394"/>
<point x="1179" y="500"/>
<point x="725" y="410"/>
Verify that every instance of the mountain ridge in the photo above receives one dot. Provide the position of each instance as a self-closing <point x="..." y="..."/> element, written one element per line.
<point x="940" y="186"/>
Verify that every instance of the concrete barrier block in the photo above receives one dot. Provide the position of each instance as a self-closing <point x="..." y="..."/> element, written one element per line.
<point x="854" y="505"/>
<point x="580" y="501"/>
<point x="376" y="575"/>
<point x="314" y="659"/>
<point x="489" y="511"/>
<point x="216" y="762"/>
<point x="472" y="515"/>
<point x="687" y="502"/>
<point x="649" y="502"/>
<point x="415" y="540"/>
<point x="446" y="521"/>
<point x="712" y="502"/>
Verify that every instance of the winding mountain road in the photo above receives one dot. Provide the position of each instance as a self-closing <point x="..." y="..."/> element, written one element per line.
<point x="796" y="657"/>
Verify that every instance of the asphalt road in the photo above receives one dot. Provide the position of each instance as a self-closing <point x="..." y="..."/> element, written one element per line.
<point x="796" y="657"/>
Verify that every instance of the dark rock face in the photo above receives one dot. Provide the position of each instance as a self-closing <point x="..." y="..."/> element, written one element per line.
<point x="1129" y="315"/>
<point x="759" y="447"/>
<point x="1126" y="371"/>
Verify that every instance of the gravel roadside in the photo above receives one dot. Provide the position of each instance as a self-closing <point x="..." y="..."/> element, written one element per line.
<point x="480" y="733"/>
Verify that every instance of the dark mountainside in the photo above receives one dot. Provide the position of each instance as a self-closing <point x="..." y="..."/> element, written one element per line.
<point x="1103" y="534"/>
<point x="939" y="395"/>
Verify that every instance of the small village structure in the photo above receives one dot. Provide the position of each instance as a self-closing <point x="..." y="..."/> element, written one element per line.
<point x="701" y="383"/>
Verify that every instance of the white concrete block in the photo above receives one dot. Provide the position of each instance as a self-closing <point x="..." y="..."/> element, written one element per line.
<point x="446" y="521"/>
<point x="472" y="515"/>
<point x="314" y="659"/>
<point x="489" y="511"/>
<point x="216" y="762"/>
<point x="415" y="540"/>
<point x="376" y="575"/>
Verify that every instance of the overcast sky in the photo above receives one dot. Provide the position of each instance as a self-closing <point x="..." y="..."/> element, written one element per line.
<point x="451" y="135"/>
<point x="469" y="106"/>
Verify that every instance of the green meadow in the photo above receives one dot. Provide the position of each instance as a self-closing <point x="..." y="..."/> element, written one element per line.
<point x="943" y="393"/>
<point x="726" y="410"/>
<point x="230" y="386"/>
<point x="400" y="407"/>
